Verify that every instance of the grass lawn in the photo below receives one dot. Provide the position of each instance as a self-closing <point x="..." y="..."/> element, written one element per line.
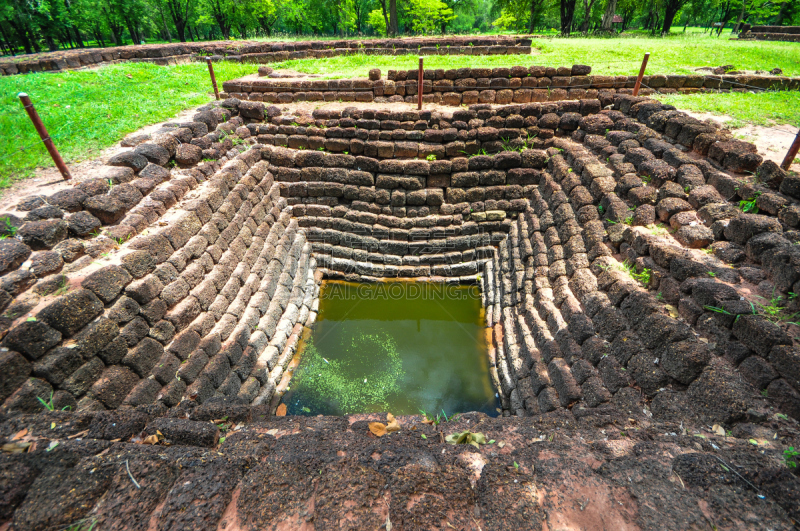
<point x="766" y="109"/>
<point x="677" y="54"/>
<point x="87" y="111"/>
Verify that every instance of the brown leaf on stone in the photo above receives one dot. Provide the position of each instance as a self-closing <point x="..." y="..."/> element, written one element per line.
<point x="281" y="411"/>
<point x="378" y="429"/>
<point x="17" y="447"/>
<point x="150" y="439"/>
<point x="393" y="424"/>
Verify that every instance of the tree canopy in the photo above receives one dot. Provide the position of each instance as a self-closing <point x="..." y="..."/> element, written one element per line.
<point x="29" y="26"/>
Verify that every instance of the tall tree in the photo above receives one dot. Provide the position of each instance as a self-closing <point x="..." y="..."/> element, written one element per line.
<point x="587" y="15"/>
<point x="180" y="11"/>
<point x="608" y="16"/>
<point x="567" y="8"/>
<point x="671" y="9"/>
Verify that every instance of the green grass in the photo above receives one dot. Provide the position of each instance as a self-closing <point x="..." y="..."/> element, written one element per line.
<point x="105" y="104"/>
<point x="677" y="54"/>
<point x="87" y="111"/>
<point x="760" y="109"/>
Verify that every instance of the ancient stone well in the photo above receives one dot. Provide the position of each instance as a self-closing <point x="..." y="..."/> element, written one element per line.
<point x="585" y="227"/>
<point x="643" y="383"/>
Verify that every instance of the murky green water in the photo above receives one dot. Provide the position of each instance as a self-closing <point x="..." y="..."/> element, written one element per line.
<point x="399" y="347"/>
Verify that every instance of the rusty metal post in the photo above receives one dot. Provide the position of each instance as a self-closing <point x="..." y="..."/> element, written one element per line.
<point x="48" y="142"/>
<point x="419" y="86"/>
<point x="795" y="147"/>
<point x="641" y="74"/>
<point x="213" y="78"/>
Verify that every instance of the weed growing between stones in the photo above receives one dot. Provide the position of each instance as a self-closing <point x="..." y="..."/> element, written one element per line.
<point x="791" y="457"/>
<point x="354" y="384"/>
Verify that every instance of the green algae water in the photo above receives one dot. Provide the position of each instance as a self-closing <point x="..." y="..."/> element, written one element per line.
<point x="400" y="347"/>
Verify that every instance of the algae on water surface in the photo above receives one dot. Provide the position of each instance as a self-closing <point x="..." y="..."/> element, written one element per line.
<point x="400" y="347"/>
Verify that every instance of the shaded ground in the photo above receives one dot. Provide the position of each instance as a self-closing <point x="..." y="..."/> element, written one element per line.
<point x="615" y="468"/>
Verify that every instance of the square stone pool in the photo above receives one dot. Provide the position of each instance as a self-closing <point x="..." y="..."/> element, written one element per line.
<point x="401" y="347"/>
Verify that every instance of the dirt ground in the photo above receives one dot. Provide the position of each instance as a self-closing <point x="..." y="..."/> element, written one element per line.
<point x="772" y="142"/>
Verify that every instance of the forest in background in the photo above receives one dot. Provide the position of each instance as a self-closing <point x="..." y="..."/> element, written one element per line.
<point x="31" y="26"/>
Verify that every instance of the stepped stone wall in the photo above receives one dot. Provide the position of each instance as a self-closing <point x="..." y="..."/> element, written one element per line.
<point x="517" y="84"/>
<point x="202" y="287"/>
<point x="770" y="33"/>
<point x="264" y="52"/>
<point x="162" y="303"/>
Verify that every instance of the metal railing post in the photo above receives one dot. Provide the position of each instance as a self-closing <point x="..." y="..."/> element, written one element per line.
<point x="419" y="86"/>
<point x="641" y="74"/>
<point x="213" y="78"/>
<point x="48" y="142"/>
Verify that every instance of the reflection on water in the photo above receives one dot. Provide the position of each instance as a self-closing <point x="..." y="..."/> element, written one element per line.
<point x="400" y="347"/>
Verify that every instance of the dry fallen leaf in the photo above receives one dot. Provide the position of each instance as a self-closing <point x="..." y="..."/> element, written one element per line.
<point x="20" y="434"/>
<point x="150" y="439"/>
<point x="281" y="411"/>
<point x="16" y="447"/>
<point x="393" y="424"/>
<point x="673" y="311"/>
<point x="719" y="430"/>
<point x="378" y="429"/>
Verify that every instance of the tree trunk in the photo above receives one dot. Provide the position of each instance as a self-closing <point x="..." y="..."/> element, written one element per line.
<point x="34" y="41"/>
<point x="587" y="9"/>
<point x="393" y="31"/>
<point x="10" y="42"/>
<point x="567" y="16"/>
<point x="533" y="10"/>
<point x="608" y="17"/>
<point x="385" y="16"/>
<point x="741" y="17"/>
<point x="783" y="13"/>
<point x="78" y="37"/>
<point x="132" y="31"/>
<point x="669" y="16"/>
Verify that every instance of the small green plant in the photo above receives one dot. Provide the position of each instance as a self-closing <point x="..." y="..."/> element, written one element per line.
<point x="646" y="179"/>
<point x="711" y="274"/>
<point x="628" y="220"/>
<point x="48" y="404"/>
<point x="790" y="457"/>
<point x="63" y="287"/>
<point x="659" y="296"/>
<point x="708" y="250"/>
<point x="775" y="310"/>
<point x="82" y="525"/>
<point x="9" y="229"/>
<point x="657" y="230"/>
<point x="717" y="309"/>
<point x="600" y="209"/>
<point x="644" y="276"/>
<point x="431" y="157"/>
<point x="764" y="393"/>
<point x="748" y="206"/>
